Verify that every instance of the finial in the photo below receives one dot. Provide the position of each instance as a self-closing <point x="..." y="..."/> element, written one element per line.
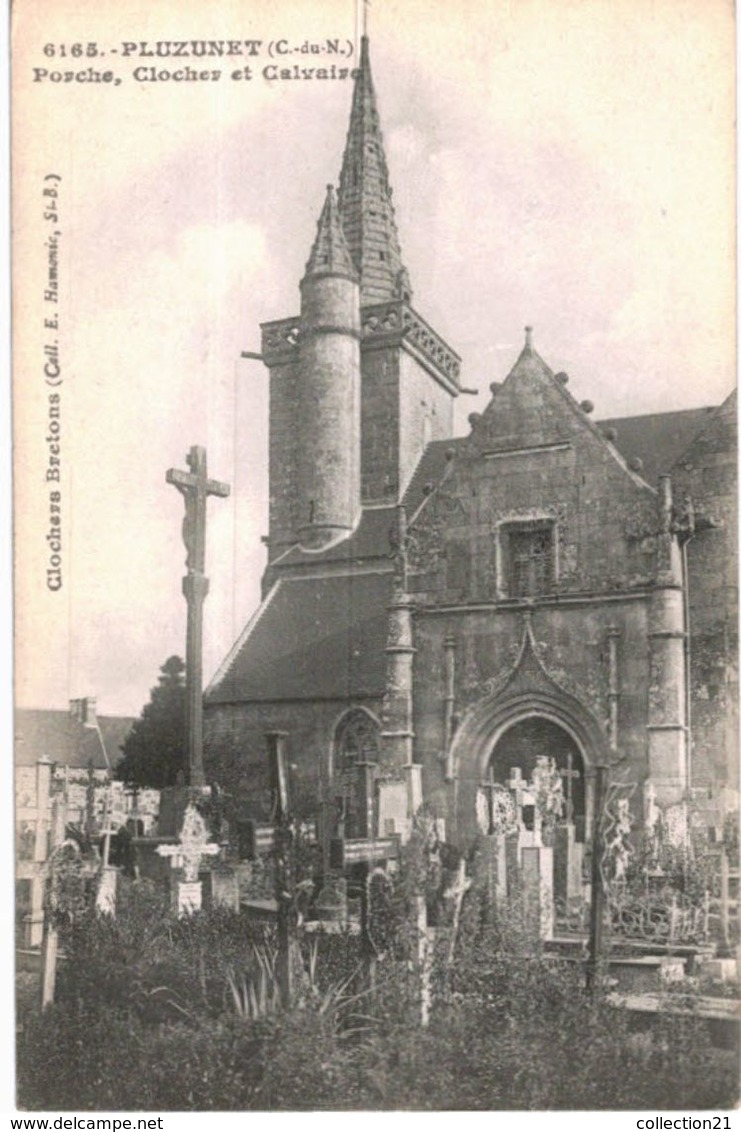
<point x="528" y="337"/>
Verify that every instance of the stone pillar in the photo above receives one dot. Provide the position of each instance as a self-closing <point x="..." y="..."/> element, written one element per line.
<point x="413" y="773"/>
<point x="195" y="589"/>
<point x="398" y="719"/>
<point x="667" y="707"/>
<point x="613" y="636"/>
<point x="448" y="728"/>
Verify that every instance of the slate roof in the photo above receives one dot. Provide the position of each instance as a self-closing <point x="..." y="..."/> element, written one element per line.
<point x="369" y="540"/>
<point x="365" y="198"/>
<point x="59" y="737"/>
<point x="330" y="254"/>
<point x="313" y="638"/>
<point x="659" y="439"/>
<point x="430" y="470"/>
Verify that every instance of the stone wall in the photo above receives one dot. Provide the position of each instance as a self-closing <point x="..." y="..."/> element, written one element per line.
<point x="707" y="473"/>
<point x="235" y="749"/>
<point x="379" y="424"/>
<point x="284" y="384"/>
<point x="426" y="414"/>
<point x="572" y="644"/>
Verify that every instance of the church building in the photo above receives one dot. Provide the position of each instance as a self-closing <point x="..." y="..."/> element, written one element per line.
<point x="547" y="584"/>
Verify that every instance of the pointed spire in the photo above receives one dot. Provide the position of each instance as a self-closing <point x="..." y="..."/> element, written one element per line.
<point x="365" y="198"/>
<point x="330" y="254"/>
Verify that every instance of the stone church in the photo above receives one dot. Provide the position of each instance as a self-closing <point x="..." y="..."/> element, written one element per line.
<point x="547" y="584"/>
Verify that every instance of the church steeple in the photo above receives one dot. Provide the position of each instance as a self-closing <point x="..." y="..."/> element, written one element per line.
<point x="365" y="198"/>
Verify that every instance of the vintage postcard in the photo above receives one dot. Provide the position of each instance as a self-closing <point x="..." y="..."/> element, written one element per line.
<point x="375" y="565"/>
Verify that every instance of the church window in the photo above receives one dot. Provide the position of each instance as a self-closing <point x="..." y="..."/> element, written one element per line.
<point x="357" y="742"/>
<point x="529" y="558"/>
<point x="357" y="739"/>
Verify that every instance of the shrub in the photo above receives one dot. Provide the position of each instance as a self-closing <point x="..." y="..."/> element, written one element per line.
<point x="156" y="1013"/>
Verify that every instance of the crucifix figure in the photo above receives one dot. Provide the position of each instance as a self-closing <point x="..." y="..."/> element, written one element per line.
<point x="195" y="486"/>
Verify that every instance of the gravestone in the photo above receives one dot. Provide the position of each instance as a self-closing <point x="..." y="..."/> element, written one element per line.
<point x="537" y="891"/>
<point x="331" y="903"/>
<point x="497" y="819"/>
<point x="221" y="888"/>
<point x="393" y="816"/>
<point x="568" y="864"/>
<point x="187" y="855"/>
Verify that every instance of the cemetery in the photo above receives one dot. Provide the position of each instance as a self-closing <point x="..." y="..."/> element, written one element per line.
<point x="298" y="964"/>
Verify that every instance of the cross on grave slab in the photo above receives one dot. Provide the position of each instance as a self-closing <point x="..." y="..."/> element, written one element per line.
<point x="192" y="847"/>
<point x="527" y="812"/>
<point x="517" y="784"/>
<point x="258" y="838"/>
<point x="569" y="774"/>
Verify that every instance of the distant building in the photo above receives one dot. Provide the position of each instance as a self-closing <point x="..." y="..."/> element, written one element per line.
<point x="62" y="773"/>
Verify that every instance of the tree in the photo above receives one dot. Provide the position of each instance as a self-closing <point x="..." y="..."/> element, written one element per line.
<point x="154" y="750"/>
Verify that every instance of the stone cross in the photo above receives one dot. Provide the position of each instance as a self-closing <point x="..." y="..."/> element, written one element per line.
<point x="524" y="796"/>
<point x="195" y="486"/>
<point x="569" y="774"/>
<point x="192" y="846"/>
<point x="456" y="893"/>
<point x="487" y="788"/>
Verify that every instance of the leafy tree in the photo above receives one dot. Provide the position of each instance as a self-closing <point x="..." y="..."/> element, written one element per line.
<point x="154" y="750"/>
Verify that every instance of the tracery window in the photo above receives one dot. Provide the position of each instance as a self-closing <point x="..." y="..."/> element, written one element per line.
<point x="357" y="741"/>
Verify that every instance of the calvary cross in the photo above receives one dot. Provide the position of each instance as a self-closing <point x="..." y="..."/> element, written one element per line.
<point x="195" y="487"/>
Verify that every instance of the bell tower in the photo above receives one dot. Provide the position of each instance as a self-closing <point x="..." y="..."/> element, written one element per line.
<point x="360" y="383"/>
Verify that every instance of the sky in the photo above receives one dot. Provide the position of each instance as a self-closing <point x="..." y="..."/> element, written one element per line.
<point x="562" y="163"/>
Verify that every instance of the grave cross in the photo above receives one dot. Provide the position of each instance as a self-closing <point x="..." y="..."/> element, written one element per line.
<point x="195" y="487"/>
<point x="488" y="786"/>
<point x="518" y="786"/>
<point x="570" y="773"/>
<point x="192" y="846"/>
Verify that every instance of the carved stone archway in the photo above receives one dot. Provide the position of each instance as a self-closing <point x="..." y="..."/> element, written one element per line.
<point x="527" y="691"/>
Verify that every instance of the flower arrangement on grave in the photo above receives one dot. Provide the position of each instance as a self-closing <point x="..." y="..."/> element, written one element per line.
<point x="70" y="883"/>
<point x="548" y="789"/>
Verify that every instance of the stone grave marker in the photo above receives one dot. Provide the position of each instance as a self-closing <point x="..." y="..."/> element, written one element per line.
<point x="187" y="855"/>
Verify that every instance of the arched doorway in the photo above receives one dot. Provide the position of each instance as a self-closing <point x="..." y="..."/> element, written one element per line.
<point x="519" y="747"/>
<point x="487" y="724"/>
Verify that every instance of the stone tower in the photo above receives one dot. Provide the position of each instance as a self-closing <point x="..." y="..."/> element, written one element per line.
<point x="328" y="439"/>
<point x="341" y="438"/>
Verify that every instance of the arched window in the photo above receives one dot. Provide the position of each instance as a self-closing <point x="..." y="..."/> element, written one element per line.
<point x="357" y="741"/>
